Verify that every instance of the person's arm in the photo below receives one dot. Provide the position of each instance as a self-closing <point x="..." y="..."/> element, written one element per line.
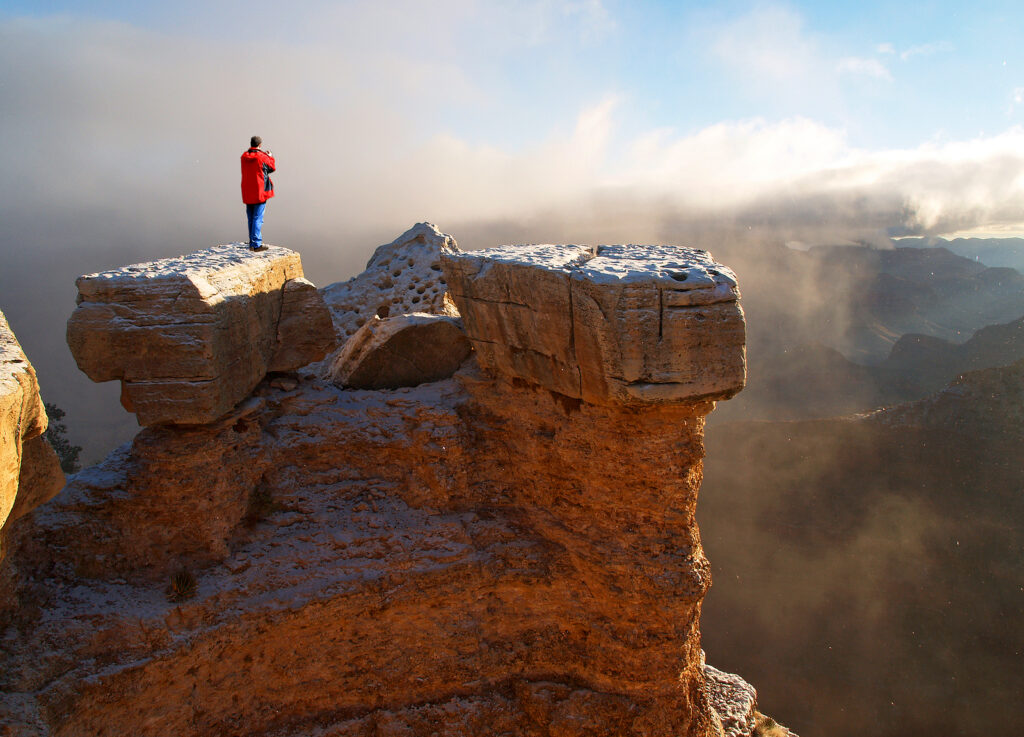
<point x="268" y="160"/>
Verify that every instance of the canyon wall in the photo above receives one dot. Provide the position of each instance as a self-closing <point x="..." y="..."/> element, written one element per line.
<point x="30" y="473"/>
<point x="481" y="554"/>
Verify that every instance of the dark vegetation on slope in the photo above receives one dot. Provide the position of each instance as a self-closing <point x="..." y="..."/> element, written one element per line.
<point x="868" y="571"/>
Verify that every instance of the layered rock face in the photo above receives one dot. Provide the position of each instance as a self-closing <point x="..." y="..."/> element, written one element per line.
<point x="480" y="555"/>
<point x="611" y="325"/>
<point x="29" y="470"/>
<point x="190" y="337"/>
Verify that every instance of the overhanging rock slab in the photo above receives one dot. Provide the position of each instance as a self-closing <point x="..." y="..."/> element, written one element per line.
<point x="189" y="337"/>
<point x="621" y="324"/>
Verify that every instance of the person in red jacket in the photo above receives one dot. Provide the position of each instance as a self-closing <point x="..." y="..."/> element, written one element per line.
<point x="257" y="188"/>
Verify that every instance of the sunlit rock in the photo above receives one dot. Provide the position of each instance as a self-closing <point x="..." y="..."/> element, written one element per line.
<point x="29" y="470"/>
<point x="402" y="277"/>
<point x="190" y="337"/>
<point x="613" y="324"/>
<point x="500" y="552"/>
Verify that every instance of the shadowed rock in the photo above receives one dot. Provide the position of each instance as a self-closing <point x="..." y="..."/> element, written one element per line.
<point x="407" y="350"/>
<point x="189" y="337"/>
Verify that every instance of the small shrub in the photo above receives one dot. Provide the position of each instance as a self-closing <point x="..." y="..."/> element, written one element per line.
<point x="261" y="505"/>
<point x="56" y="434"/>
<point x="183" y="586"/>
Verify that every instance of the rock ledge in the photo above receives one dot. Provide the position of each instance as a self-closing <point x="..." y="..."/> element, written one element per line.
<point x="622" y="324"/>
<point x="189" y="337"/>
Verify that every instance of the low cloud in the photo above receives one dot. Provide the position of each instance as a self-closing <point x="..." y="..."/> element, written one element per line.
<point x="866" y="67"/>
<point x="144" y="129"/>
<point x="122" y="144"/>
<point x="927" y="49"/>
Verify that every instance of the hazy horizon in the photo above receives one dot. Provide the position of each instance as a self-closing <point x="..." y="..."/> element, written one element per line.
<point x="571" y="121"/>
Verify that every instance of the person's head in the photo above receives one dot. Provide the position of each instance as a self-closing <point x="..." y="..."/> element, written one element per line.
<point x="255" y="142"/>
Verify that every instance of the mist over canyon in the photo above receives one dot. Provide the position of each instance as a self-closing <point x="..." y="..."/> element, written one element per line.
<point x="844" y="548"/>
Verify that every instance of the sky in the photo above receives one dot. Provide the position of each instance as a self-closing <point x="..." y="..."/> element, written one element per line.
<point x="530" y="120"/>
<point x="388" y="112"/>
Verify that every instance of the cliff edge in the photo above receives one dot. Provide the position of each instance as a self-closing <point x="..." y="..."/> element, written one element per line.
<point x="480" y="554"/>
<point x="30" y="473"/>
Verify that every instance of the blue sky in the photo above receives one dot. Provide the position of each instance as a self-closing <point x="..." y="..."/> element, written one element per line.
<point x="888" y="74"/>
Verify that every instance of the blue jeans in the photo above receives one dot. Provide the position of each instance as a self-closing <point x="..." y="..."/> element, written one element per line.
<point x="254" y="213"/>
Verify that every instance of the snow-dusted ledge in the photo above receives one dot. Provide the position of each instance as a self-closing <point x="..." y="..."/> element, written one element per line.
<point x="191" y="336"/>
<point x="619" y="324"/>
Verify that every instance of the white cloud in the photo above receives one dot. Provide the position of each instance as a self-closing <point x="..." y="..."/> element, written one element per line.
<point x="865" y="67"/>
<point x="114" y="121"/>
<point x="767" y="43"/>
<point x="926" y="49"/>
<point x="885" y="48"/>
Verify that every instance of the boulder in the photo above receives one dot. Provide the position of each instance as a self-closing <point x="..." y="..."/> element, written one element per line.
<point x="402" y="277"/>
<point x="29" y="471"/>
<point x="619" y="324"/>
<point x="304" y="326"/>
<point x="407" y="350"/>
<point x="189" y="337"/>
<point x="733" y="700"/>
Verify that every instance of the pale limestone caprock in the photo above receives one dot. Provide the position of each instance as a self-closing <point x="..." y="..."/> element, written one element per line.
<point x="189" y="337"/>
<point x="401" y="277"/>
<point x="621" y="324"/>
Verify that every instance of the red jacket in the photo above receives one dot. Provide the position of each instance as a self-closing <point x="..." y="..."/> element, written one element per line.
<point x="256" y="168"/>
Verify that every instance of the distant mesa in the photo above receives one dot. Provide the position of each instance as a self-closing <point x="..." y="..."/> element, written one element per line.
<point x="190" y="337"/>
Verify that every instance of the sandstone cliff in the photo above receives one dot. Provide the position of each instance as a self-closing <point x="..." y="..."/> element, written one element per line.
<point x="477" y="555"/>
<point x="29" y="470"/>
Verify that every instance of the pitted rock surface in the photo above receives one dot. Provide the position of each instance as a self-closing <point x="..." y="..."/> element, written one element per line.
<point x="407" y="350"/>
<point x="189" y="337"/>
<point x="617" y="324"/>
<point x="402" y="277"/>
<point x="29" y="471"/>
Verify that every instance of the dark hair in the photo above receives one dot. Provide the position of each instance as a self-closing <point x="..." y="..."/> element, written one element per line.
<point x="255" y="142"/>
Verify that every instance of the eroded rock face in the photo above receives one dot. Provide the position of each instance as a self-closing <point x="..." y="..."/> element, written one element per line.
<point x="402" y="277"/>
<point x="407" y="350"/>
<point x="465" y="537"/>
<point x="627" y="325"/>
<point x="190" y="337"/>
<point x="481" y="555"/>
<point x="29" y="471"/>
